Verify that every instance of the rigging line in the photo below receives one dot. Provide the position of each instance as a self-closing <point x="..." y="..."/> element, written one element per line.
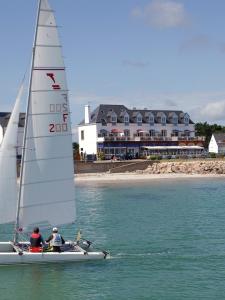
<point x="51" y="158"/>
<point x="48" y="181"/>
<point x="48" y="203"/>
<point x="56" y="113"/>
<point x="47" y="10"/>
<point x="53" y="91"/>
<point x="49" y="68"/>
<point x="48" y="136"/>
<point x="49" y="26"/>
<point x="46" y="46"/>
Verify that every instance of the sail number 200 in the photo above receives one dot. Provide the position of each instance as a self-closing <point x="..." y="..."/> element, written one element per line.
<point x="59" y="127"/>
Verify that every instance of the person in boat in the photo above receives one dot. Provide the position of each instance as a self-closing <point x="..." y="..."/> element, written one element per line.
<point x="55" y="240"/>
<point x="36" y="241"/>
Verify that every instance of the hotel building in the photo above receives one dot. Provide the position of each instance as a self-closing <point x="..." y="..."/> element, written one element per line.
<point x="117" y="130"/>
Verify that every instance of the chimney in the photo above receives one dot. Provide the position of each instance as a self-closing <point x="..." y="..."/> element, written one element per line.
<point x="87" y="114"/>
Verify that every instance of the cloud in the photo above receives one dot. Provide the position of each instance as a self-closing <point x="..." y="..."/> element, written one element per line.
<point x="214" y="111"/>
<point x="199" y="42"/>
<point x="162" y="14"/>
<point x="170" y="103"/>
<point x="135" y="64"/>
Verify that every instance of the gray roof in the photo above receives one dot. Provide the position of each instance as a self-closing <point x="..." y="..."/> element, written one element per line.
<point x="219" y="137"/>
<point x="5" y="116"/>
<point x="103" y="111"/>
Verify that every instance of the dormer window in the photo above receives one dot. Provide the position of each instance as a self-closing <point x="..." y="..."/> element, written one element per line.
<point x="163" y="120"/>
<point x="151" y="120"/>
<point x="139" y="120"/>
<point x="113" y="119"/>
<point x="126" y="119"/>
<point x="186" y="119"/>
<point x="175" y="120"/>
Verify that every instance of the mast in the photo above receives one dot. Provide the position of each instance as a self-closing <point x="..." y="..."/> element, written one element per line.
<point x="25" y="128"/>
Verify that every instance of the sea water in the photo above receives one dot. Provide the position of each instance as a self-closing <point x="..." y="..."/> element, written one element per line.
<point x="166" y="240"/>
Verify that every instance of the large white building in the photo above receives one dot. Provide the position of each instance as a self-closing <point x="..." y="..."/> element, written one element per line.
<point x="117" y="130"/>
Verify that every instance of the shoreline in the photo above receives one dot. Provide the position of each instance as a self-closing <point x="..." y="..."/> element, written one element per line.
<point x="133" y="176"/>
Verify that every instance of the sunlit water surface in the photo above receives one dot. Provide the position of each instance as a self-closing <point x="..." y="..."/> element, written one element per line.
<point x="166" y="239"/>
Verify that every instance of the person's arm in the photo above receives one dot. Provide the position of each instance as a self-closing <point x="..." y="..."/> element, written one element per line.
<point x="63" y="241"/>
<point x="42" y="240"/>
<point x="49" y="239"/>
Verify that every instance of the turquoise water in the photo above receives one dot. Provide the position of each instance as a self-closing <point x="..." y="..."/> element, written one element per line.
<point x="166" y="238"/>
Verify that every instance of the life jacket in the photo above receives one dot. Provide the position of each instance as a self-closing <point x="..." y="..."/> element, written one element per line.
<point x="56" y="240"/>
<point x="35" y="240"/>
<point x="36" y="249"/>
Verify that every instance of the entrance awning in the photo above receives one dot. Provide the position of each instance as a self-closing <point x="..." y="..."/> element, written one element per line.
<point x="115" y="130"/>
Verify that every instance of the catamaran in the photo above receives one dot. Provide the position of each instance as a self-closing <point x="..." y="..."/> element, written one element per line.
<point x="46" y="187"/>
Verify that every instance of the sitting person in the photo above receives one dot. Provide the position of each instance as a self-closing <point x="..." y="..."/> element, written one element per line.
<point x="36" y="241"/>
<point x="55" y="240"/>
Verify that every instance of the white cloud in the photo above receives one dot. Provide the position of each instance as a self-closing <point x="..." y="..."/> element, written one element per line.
<point x="162" y="14"/>
<point x="214" y="111"/>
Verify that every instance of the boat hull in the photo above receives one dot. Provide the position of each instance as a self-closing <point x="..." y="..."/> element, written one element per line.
<point x="7" y="256"/>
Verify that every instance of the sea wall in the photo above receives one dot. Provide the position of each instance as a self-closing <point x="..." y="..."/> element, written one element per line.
<point x="111" y="166"/>
<point x="187" y="167"/>
<point x="153" y="167"/>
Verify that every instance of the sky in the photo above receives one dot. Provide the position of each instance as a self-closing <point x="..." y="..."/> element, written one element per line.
<point x="155" y="54"/>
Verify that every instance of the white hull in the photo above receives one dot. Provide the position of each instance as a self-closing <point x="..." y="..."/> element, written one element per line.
<point x="7" y="256"/>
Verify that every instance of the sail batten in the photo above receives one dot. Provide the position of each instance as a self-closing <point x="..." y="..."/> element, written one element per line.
<point x="48" y="176"/>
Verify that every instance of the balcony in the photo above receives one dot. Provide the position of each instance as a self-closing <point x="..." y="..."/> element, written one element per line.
<point x="147" y="138"/>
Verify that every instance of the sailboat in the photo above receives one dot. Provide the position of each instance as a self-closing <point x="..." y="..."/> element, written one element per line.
<point x="46" y="189"/>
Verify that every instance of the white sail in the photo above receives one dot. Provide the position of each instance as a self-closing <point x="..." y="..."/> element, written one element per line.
<point x="47" y="181"/>
<point x="8" y="169"/>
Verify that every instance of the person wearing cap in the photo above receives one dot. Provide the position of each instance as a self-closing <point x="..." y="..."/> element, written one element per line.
<point x="55" y="240"/>
<point x="36" y="241"/>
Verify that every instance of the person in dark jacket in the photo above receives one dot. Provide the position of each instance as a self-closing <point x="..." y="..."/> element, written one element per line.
<point x="36" y="241"/>
<point x="55" y="240"/>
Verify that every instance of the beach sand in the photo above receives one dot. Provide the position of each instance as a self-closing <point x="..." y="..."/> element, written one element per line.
<point x="112" y="177"/>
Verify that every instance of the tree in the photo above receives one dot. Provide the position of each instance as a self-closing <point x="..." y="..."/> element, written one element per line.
<point x="76" y="154"/>
<point x="205" y="129"/>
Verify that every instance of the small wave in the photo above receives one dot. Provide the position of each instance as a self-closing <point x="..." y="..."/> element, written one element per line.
<point x="123" y="254"/>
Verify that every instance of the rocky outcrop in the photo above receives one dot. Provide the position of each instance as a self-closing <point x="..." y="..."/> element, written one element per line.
<point x="187" y="167"/>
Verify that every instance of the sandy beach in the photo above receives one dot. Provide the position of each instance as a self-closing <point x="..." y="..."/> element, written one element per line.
<point x="108" y="177"/>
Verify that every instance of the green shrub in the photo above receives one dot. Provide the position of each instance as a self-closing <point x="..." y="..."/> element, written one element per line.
<point x="212" y="155"/>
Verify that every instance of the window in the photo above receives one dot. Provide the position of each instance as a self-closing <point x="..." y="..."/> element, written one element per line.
<point x="113" y="119"/>
<point x="139" y="120"/>
<point x="164" y="132"/>
<point x="163" y="120"/>
<point x="175" y="133"/>
<point x="175" y="120"/>
<point x="103" y="133"/>
<point x="82" y="135"/>
<point x="127" y="132"/>
<point x="151" y="120"/>
<point x="152" y="132"/>
<point x="186" y="120"/>
<point x="126" y="120"/>
<point x="103" y="121"/>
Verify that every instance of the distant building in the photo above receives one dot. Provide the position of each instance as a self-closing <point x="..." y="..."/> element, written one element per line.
<point x="217" y="143"/>
<point x="117" y="130"/>
<point x="4" y="119"/>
